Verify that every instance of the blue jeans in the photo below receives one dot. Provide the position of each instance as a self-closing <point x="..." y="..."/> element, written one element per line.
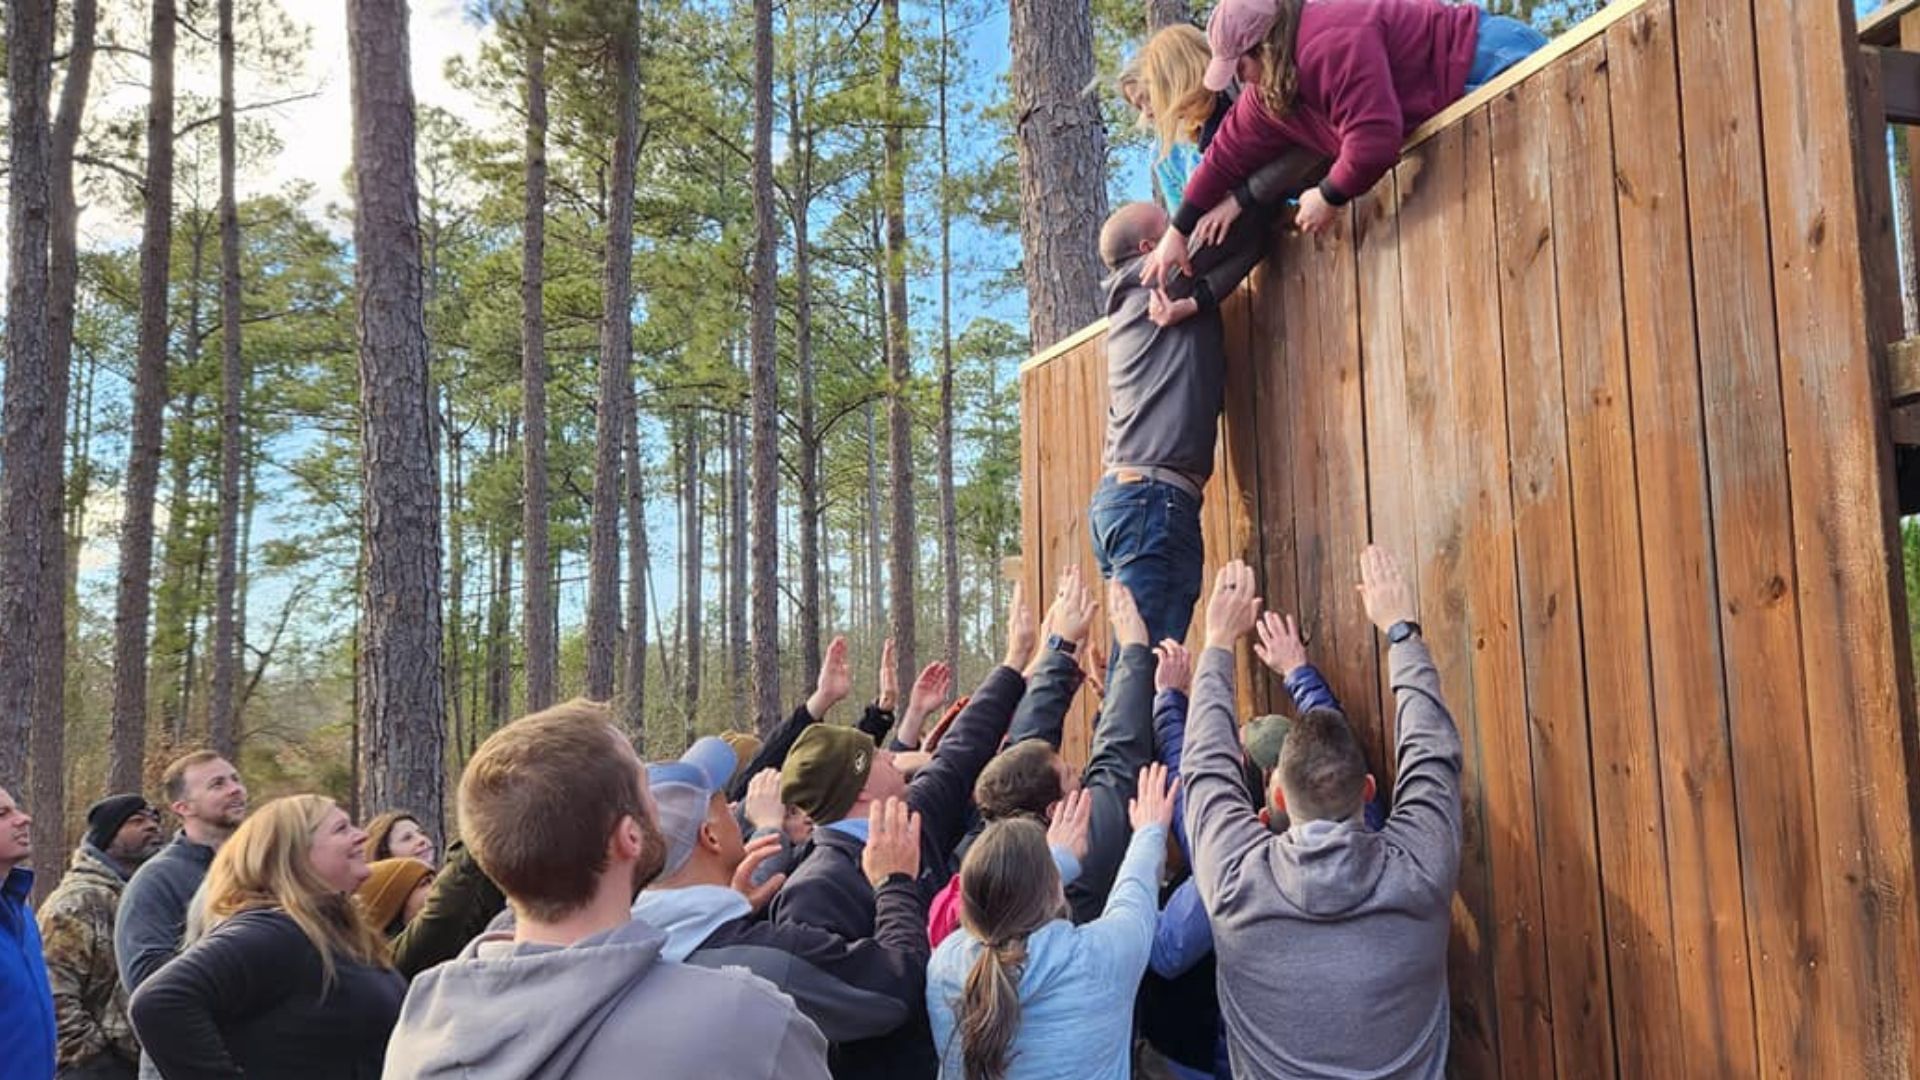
<point x="1503" y="42"/>
<point x="1148" y="535"/>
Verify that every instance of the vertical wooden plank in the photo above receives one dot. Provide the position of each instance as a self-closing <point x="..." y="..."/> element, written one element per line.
<point x="1752" y="533"/>
<point x="1715" y="1021"/>
<point x="1391" y="484"/>
<point x="1493" y="612"/>
<point x="1268" y="352"/>
<point x="1333" y="466"/>
<point x="1606" y="529"/>
<point x="1554" y="671"/>
<point x="1085" y="387"/>
<point x="1843" y="519"/>
<point x="1032" y="494"/>
<point x="1236" y="472"/>
<point x="1432" y="188"/>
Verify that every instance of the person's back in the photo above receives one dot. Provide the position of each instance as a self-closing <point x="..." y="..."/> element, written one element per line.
<point x="1330" y="939"/>
<point x="607" y="1006"/>
<point x="1074" y="985"/>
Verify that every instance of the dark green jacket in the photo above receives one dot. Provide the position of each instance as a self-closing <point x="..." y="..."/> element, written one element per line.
<point x="463" y="900"/>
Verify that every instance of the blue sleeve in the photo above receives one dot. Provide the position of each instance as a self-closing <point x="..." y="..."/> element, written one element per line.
<point x="1123" y="934"/>
<point x="1310" y="690"/>
<point x="1170" y="732"/>
<point x="1182" y="937"/>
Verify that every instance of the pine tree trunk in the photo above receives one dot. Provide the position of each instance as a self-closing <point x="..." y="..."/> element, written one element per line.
<point x="616" y="362"/>
<point x="692" y="557"/>
<point x="875" y="616"/>
<point x="633" y="701"/>
<point x="737" y="562"/>
<point x="1063" y="176"/>
<point x="766" y="464"/>
<point x="499" y="652"/>
<point x="149" y="399"/>
<point x="402" y="702"/>
<point x="903" y="553"/>
<point x="223" y="724"/>
<point x="29" y="493"/>
<point x="949" y="540"/>
<point x="537" y="588"/>
<point x="461" y="715"/>
<point x="810" y="558"/>
<point x="1164" y="13"/>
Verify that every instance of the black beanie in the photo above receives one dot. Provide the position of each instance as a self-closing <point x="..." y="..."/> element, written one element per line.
<point x="105" y="817"/>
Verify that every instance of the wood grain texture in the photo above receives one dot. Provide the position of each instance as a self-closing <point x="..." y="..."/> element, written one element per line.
<point x="1715" y="1022"/>
<point x="1552" y="665"/>
<point x="1843" y="520"/>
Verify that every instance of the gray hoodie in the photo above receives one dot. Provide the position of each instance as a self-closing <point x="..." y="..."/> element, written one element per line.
<point x="1331" y="939"/>
<point x="606" y="1008"/>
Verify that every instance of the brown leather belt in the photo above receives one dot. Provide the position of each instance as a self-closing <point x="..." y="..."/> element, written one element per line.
<point x="1140" y="474"/>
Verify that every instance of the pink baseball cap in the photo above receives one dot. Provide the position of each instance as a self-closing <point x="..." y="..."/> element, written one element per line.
<point x="1233" y="30"/>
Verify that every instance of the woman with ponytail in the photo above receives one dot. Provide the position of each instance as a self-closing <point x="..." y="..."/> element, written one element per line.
<point x="289" y="980"/>
<point x="1020" y="993"/>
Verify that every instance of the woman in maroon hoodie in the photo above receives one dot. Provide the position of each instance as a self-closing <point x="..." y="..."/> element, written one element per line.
<point x="1345" y="78"/>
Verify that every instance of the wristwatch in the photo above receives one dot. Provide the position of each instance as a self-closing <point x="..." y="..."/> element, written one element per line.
<point x="1401" y="631"/>
<point x="1055" y="641"/>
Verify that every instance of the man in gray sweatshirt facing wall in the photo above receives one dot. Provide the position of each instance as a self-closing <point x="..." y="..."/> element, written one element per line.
<point x="1331" y="938"/>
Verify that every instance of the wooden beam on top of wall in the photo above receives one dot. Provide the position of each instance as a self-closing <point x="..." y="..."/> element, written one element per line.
<point x="1883" y="26"/>
<point x="1900" y="83"/>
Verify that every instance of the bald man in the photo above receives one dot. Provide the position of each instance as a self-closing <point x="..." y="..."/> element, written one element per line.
<point x="1165" y="370"/>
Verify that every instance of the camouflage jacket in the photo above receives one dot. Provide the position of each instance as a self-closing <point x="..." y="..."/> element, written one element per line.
<point x="76" y="925"/>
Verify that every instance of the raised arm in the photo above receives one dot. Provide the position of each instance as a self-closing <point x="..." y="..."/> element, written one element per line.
<point x="1124" y="931"/>
<point x="1285" y="654"/>
<point x="1222" y="827"/>
<point x="942" y="791"/>
<point x="1122" y="746"/>
<point x="1172" y="681"/>
<point x="833" y="686"/>
<point x="1055" y="675"/>
<point x="1425" y="820"/>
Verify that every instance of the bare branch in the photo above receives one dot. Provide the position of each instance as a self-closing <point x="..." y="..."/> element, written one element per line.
<point x="203" y="121"/>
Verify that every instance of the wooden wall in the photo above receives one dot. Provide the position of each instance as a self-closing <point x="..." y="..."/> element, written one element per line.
<point x="1602" y="361"/>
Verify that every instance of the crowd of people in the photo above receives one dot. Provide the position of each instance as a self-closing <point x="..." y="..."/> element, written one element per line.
<point x="934" y="889"/>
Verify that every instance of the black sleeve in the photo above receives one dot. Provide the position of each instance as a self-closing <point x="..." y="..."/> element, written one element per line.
<point x="1220" y="268"/>
<point x="773" y="752"/>
<point x="460" y="904"/>
<point x="242" y="968"/>
<point x="1285" y="177"/>
<point x="1043" y="708"/>
<point x="876" y="722"/>
<point x="943" y="790"/>
<point x="1122" y="745"/>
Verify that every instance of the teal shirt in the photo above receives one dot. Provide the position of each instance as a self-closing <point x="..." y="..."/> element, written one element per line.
<point x="1171" y="172"/>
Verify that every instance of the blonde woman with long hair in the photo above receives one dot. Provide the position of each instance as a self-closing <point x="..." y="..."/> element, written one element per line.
<point x="1021" y="993"/>
<point x="288" y="980"/>
<point x="1164" y="83"/>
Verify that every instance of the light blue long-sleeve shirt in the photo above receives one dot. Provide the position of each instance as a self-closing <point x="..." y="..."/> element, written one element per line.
<point x="1077" y="986"/>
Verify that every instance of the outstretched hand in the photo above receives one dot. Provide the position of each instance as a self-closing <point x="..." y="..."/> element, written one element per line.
<point x="1069" y="822"/>
<point x="1175" y="669"/>
<point x="1171" y="252"/>
<point x="1233" y="608"/>
<point x="836" y="680"/>
<point x="1073" y="609"/>
<point x="889" y="680"/>
<point x="1129" y="628"/>
<point x="893" y="842"/>
<point x="1020" y="629"/>
<point x="1280" y="647"/>
<point x="758" y="852"/>
<point x="1164" y="311"/>
<point x="1215" y="223"/>
<point x="1154" y="803"/>
<point x="1316" y="213"/>
<point x="1388" y="597"/>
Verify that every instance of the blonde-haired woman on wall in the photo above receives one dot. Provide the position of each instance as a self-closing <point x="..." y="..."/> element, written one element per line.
<point x="288" y="981"/>
<point x="1164" y="84"/>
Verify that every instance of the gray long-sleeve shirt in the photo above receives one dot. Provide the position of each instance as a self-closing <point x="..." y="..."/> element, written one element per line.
<point x="1331" y="940"/>
<point x="1165" y="383"/>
